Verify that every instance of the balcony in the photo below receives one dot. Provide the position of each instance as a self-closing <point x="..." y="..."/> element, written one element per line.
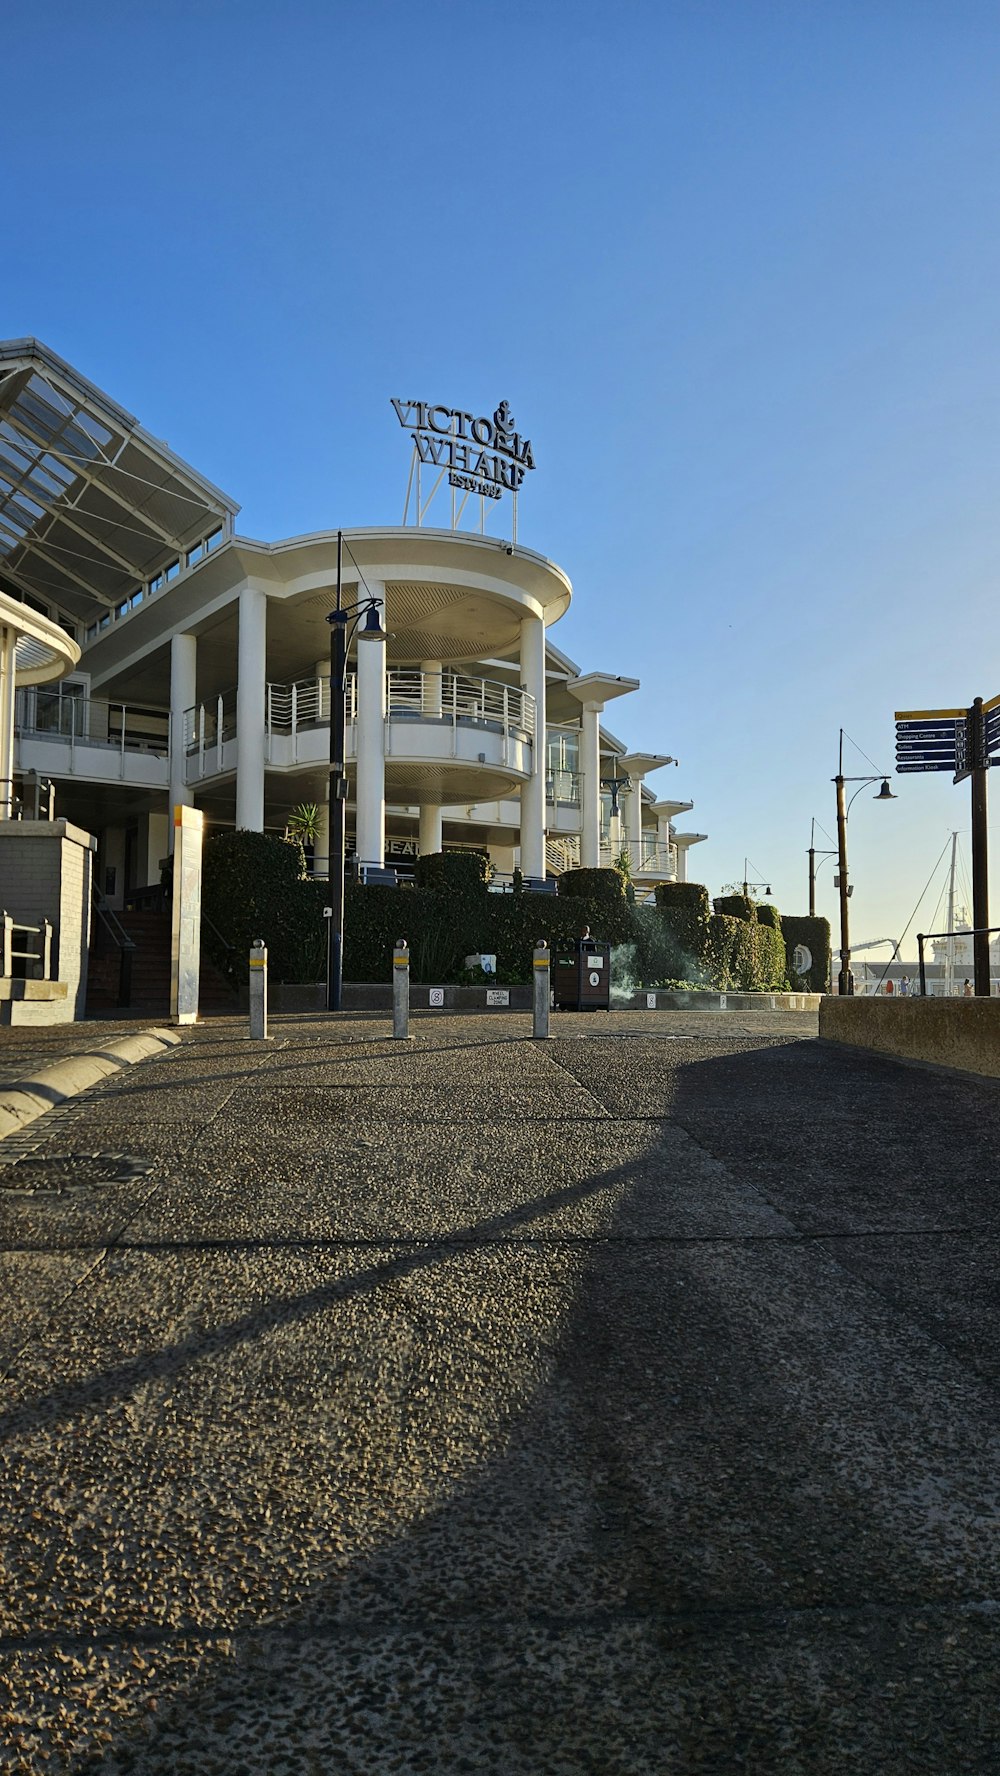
<point x="433" y="719"/>
<point x="61" y="734"/>
<point x="650" y="861"/>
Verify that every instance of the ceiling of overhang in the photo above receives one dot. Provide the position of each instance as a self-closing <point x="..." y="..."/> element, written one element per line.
<point x="90" y="505"/>
<point x="447" y="622"/>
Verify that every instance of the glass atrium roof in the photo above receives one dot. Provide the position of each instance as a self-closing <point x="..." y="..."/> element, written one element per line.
<point x="91" y="506"/>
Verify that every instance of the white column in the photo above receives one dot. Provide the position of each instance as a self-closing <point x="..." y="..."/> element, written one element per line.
<point x="533" y="791"/>
<point x="250" y="698"/>
<point x="430" y="829"/>
<point x="8" y="642"/>
<point x="682" y="863"/>
<point x="183" y="681"/>
<point x="590" y="785"/>
<point x="370" y="754"/>
<point x="430" y="700"/>
<point x="635" y="821"/>
<point x="321" y="849"/>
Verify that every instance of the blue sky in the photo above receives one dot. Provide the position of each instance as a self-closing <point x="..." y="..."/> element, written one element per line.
<point x="735" y="266"/>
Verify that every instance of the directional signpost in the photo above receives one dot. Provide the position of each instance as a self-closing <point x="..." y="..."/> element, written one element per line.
<point x="962" y="741"/>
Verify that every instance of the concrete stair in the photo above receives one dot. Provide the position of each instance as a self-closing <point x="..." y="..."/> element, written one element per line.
<point x="150" y="932"/>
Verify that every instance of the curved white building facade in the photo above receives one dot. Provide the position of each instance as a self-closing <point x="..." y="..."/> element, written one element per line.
<point x="203" y="669"/>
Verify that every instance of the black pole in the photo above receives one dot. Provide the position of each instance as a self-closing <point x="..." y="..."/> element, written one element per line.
<point x="338" y="791"/>
<point x="812" y="882"/>
<point x="845" y="983"/>
<point x="922" y="965"/>
<point x="980" y="851"/>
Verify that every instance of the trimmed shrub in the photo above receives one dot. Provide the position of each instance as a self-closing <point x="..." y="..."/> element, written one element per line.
<point x="457" y="872"/>
<point x="745" y="957"/>
<point x="253" y="885"/>
<point x="676" y="946"/>
<point x="606" y="885"/>
<point x="691" y="897"/>
<point x="734" y="906"/>
<point x="815" y="934"/>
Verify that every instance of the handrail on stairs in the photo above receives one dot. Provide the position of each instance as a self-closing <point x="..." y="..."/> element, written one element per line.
<point x="125" y="945"/>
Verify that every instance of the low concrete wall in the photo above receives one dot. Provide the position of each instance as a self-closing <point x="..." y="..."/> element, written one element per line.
<point x="963" y="1033"/>
<point x="373" y="996"/>
<point x="45" y="873"/>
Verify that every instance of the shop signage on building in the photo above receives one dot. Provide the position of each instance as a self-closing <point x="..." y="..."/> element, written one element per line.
<point x="482" y="456"/>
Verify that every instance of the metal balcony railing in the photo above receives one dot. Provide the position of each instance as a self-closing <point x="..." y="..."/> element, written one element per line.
<point x="649" y="857"/>
<point x="91" y="721"/>
<point x="453" y="698"/>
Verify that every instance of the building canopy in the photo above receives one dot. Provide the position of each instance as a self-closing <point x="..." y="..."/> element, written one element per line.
<point x="92" y="509"/>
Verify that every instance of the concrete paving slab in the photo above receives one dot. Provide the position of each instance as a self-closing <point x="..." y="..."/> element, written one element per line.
<point x="621" y="1443"/>
<point x="535" y="1182"/>
<point x="804" y="1696"/>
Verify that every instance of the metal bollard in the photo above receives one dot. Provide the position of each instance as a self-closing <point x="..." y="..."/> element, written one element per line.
<point x="540" y="987"/>
<point x="401" y="991"/>
<point x="258" y="990"/>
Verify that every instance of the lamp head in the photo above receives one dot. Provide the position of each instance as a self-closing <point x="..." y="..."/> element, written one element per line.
<point x="885" y="793"/>
<point x="373" y="630"/>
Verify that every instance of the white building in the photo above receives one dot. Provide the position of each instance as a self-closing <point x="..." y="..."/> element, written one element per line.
<point x="204" y="677"/>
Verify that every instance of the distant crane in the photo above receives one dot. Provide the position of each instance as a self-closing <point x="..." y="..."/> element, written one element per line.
<point x="873" y="944"/>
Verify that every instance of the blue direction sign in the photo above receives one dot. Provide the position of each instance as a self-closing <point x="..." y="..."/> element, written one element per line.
<point x="930" y="739"/>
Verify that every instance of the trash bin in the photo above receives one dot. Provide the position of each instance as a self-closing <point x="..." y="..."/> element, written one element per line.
<point x="581" y="977"/>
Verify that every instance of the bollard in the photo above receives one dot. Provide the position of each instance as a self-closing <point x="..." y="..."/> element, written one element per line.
<point x="540" y="988"/>
<point x="258" y="990"/>
<point x="401" y="991"/>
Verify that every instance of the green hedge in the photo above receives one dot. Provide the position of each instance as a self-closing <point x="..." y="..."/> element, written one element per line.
<point x="253" y="885"/>
<point x="689" y="897"/>
<point x="592" y="884"/>
<point x="815" y="934"/>
<point x="454" y="872"/>
<point x="744" y="956"/>
<point x="735" y="906"/>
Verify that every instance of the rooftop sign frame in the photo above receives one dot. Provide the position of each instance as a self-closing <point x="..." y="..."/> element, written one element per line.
<point x="480" y="456"/>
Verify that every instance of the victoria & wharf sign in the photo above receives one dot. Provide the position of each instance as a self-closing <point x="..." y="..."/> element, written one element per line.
<point x="484" y="456"/>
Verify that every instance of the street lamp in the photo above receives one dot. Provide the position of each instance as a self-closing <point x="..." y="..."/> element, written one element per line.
<point x="344" y="623"/>
<point x="615" y="786"/>
<point x="813" y="854"/>
<point x="845" y="980"/>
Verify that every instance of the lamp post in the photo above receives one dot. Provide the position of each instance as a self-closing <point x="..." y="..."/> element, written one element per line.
<point x="615" y="785"/>
<point x="813" y="854"/>
<point x="344" y="622"/>
<point x="845" y="980"/>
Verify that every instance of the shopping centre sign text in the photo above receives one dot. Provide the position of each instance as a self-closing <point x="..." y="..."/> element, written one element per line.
<point x="484" y="456"/>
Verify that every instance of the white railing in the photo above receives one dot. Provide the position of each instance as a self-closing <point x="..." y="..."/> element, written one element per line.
<point x="454" y="697"/>
<point x="209" y="723"/>
<point x="448" y="697"/>
<point x="25" y="950"/>
<point x="91" y="721"/>
<point x="649" y="857"/>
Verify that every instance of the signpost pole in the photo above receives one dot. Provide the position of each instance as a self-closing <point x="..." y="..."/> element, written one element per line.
<point x="980" y="850"/>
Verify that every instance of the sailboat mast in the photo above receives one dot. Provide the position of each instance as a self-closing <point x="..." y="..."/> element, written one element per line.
<point x="949" y="973"/>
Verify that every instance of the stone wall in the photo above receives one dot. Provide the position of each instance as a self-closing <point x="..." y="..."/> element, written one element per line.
<point x="45" y="873"/>
<point x="963" y="1033"/>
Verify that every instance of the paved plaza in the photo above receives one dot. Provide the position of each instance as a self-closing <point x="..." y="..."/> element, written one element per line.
<point x="623" y="1403"/>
